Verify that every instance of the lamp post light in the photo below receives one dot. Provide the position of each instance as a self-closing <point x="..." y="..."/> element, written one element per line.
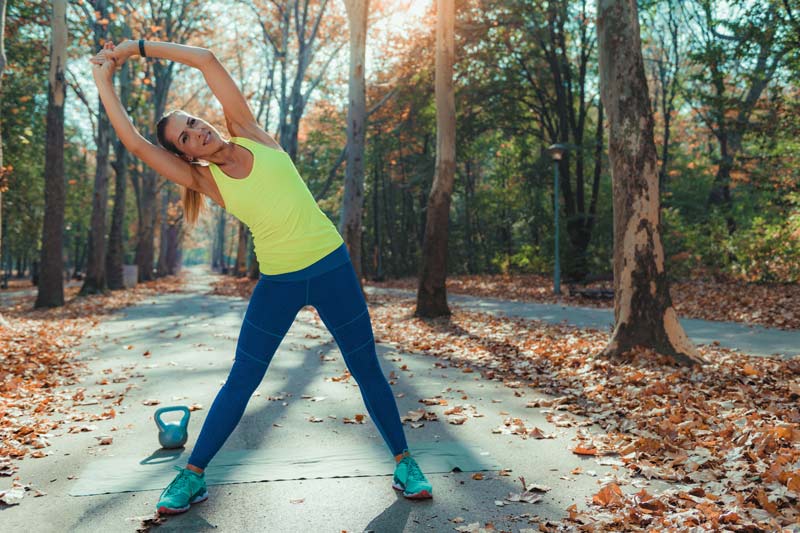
<point x="556" y="152"/>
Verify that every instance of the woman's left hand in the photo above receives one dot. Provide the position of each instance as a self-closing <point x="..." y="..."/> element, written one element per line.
<point x="122" y="51"/>
<point x="104" y="63"/>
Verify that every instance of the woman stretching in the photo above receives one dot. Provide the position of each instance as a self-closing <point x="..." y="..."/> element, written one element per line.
<point x="301" y="256"/>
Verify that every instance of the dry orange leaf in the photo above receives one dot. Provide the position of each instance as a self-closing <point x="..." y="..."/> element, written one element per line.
<point x="581" y="450"/>
<point x="609" y="496"/>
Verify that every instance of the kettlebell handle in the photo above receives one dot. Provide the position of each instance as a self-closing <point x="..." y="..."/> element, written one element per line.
<point x="162" y="410"/>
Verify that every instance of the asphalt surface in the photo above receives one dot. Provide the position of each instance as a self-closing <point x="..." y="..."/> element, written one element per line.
<point x="749" y="339"/>
<point x="191" y="337"/>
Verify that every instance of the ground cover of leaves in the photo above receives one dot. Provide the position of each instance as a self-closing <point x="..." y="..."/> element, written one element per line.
<point x="769" y="305"/>
<point x="37" y="357"/>
<point x="726" y="436"/>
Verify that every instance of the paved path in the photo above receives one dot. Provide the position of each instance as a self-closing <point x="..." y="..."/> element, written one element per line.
<point x="754" y="340"/>
<point x="191" y="367"/>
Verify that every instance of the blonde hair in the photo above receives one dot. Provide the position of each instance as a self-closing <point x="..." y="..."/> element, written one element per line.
<point x="193" y="205"/>
<point x="193" y="202"/>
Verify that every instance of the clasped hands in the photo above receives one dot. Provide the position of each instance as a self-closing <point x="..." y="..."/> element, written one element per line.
<point x="110" y="58"/>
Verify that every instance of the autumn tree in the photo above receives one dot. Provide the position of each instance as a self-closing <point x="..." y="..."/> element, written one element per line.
<point x="551" y="58"/>
<point x="175" y="22"/>
<point x="2" y="69"/>
<point x="297" y="32"/>
<point x="95" y="281"/>
<point x="739" y="50"/>
<point x="51" y="277"/>
<point x="114" y="253"/>
<point x="3" y="322"/>
<point x="432" y="292"/>
<point x="643" y="311"/>
<point x="353" y="202"/>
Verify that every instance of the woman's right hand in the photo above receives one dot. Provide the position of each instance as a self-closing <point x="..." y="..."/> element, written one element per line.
<point x="122" y="51"/>
<point x="103" y="71"/>
<point x="104" y="64"/>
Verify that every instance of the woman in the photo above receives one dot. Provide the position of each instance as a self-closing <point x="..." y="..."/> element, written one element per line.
<point x="302" y="257"/>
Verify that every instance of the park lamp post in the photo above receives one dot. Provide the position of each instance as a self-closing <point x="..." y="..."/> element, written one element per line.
<point x="556" y="152"/>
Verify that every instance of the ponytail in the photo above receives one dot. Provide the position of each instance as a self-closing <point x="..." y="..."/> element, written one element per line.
<point x="193" y="205"/>
<point x="192" y="200"/>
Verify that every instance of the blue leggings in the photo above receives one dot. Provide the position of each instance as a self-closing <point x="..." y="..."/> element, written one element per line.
<point x="330" y="285"/>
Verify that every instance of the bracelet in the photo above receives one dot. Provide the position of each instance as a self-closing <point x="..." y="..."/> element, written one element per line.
<point x="141" y="48"/>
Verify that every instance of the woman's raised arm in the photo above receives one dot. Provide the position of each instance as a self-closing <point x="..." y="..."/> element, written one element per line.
<point x="237" y="112"/>
<point x="162" y="161"/>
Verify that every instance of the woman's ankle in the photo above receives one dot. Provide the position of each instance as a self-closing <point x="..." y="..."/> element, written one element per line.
<point x="398" y="458"/>
<point x="195" y="468"/>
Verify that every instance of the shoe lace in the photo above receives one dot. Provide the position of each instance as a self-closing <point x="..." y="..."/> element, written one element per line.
<point x="413" y="469"/>
<point x="181" y="483"/>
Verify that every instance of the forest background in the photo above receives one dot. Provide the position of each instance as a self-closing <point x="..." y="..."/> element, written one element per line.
<point x="723" y="82"/>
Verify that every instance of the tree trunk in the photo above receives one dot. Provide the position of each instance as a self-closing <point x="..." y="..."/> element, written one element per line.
<point x="145" y="253"/>
<point x="432" y="293"/>
<point x="95" y="281"/>
<point x="353" y="201"/>
<point x="51" y="275"/>
<point x="174" y="233"/>
<point x="114" y="255"/>
<point x="253" y="273"/>
<point x="218" y="256"/>
<point x="3" y="322"/>
<point x="643" y="311"/>
<point x="2" y="68"/>
<point x="241" y="252"/>
<point x="162" y="268"/>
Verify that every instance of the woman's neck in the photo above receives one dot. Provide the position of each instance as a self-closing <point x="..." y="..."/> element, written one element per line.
<point x="227" y="155"/>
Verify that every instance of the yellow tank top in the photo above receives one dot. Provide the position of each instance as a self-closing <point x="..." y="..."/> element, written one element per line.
<point x="290" y="231"/>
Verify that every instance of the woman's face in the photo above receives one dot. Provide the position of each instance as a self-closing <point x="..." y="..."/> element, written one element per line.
<point x="193" y="136"/>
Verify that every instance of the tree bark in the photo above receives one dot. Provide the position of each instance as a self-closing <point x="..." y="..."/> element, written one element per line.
<point x="643" y="311"/>
<point x="3" y="322"/>
<point x="218" y="256"/>
<point x="2" y="68"/>
<point x="114" y="255"/>
<point x="353" y="201"/>
<point x="95" y="281"/>
<point x="241" y="252"/>
<point x="51" y="275"/>
<point x="294" y="15"/>
<point x="432" y="292"/>
<point x="253" y="271"/>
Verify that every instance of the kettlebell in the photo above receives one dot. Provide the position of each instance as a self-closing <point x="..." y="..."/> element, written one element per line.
<point x="173" y="434"/>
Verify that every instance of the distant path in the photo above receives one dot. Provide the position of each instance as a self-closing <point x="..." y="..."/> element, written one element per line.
<point x="10" y="297"/>
<point x="753" y="340"/>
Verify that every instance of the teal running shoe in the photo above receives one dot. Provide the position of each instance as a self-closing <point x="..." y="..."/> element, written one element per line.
<point x="409" y="478"/>
<point x="187" y="488"/>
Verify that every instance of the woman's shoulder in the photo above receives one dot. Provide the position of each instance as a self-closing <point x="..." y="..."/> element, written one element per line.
<point x="253" y="133"/>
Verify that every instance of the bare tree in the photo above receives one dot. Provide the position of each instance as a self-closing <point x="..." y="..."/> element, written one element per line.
<point x="51" y="275"/>
<point x="282" y="24"/>
<point x="175" y="21"/>
<point x="114" y="255"/>
<point x="353" y="201"/>
<point x="432" y="292"/>
<point x="95" y="281"/>
<point x="3" y="322"/>
<point x="643" y="311"/>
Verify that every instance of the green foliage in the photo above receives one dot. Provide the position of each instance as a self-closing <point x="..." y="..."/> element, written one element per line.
<point x="530" y="259"/>
<point x="769" y="250"/>
<point x="694" y="249"/>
